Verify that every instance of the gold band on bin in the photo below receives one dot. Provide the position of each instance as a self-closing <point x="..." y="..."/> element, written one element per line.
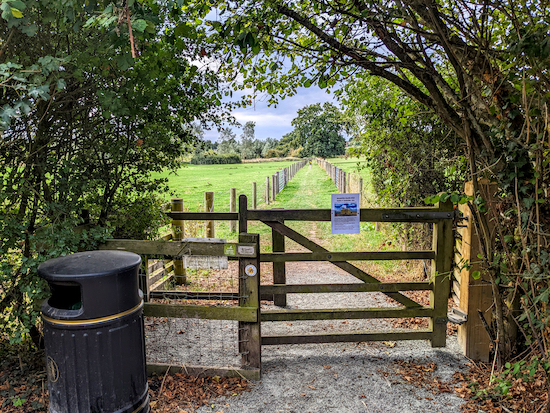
<point x="93" y="320"/>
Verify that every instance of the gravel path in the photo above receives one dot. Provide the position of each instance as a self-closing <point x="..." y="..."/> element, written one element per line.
<point x="341" y="377"/>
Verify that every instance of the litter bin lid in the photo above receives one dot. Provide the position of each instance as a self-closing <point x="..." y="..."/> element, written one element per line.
<point x="107" y="281"/>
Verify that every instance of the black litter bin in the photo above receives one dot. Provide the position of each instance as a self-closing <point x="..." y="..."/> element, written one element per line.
<point x="93" y="333"/>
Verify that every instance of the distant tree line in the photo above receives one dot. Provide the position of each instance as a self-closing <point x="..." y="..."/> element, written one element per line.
<point x="318" y="131"/>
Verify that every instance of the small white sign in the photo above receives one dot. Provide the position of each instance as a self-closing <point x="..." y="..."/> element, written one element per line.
<point x="345" y="214"/>
<point x="250" y="270"/>
<point x="245" y="250"/>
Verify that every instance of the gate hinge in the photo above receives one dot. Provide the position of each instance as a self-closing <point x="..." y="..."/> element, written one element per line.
<point x="457" y="316"/>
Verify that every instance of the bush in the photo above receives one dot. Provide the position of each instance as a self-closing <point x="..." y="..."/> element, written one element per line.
<point x="139" y="218"/>
<point x="204" y="158"/>
<point x="275" y="153"/>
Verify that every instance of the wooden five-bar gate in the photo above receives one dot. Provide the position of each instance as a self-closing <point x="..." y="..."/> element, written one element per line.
<point x="247" y="252"/>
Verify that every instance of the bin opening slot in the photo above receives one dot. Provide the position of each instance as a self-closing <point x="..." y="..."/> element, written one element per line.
<point x="65" y="296"/>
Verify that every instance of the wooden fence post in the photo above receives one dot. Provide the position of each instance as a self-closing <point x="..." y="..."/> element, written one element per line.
<point x="145" y="287"/>
<point x="254" y="196"/>
<point x="273" y="187"/>
<point x="279" y="268"/>
<point x="178" y="231"/>
<point x="267" y="192"/>
<point x="209" y="207"/>
<point x="233" y="208"/>
<point x="443" y="245"/>
<point x="250" y="338"/>
<point x="475" y="295"/>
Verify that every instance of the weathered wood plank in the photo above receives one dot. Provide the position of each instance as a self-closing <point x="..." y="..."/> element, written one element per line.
<point x="200" y="371"/>
<point x="354" y="337"/>
<point x="204" y="216"/>
<point x="443" y="244"/>
<point x="174" y="248"/>
<point x="248" y="314"/>
<point x="279" y="267"/>
<point x="366" y="215"/>
<point x="151" y="268"/>
<point x="420" y="214"/>
<point x="156" y="275"/>
<point x="250" y="336"/>
<point x="194" y="295"/>
<point x="277" y="257"/>
<point x="345" y="313"/>
<point x="160" y="283"/>
<point x="343" y="288"/>
<point x="346" y="266"/>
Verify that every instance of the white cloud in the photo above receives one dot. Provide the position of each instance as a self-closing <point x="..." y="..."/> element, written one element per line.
<point x="274" y="122"/>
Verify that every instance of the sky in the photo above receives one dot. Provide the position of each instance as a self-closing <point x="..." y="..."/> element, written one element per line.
<point x="274" y="122"/>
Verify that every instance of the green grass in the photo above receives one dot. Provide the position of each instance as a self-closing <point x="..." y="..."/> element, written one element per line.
<point x="192" y="181"/>
<point x="311" y="188"/>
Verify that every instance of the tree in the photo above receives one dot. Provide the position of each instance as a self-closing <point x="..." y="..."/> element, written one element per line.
<point x="227" y="142"/>
<point x="319" y="130"/>
<point x="411" y="153"/>
<point x="247" y="141"/>
<point x="269" y="143"/>
<point x="480" y="66"/>
<point x="91" y="106"/>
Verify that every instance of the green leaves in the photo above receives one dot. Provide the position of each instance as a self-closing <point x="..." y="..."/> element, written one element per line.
<point x="140" y="25"/>
<point x="12" y="9"/>
<point x="125" y="61"/>
<point x="455" y="197"/>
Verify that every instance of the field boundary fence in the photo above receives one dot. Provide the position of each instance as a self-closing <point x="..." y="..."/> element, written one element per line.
<point x="346" y="182"/>
<point x="277" y="182"/>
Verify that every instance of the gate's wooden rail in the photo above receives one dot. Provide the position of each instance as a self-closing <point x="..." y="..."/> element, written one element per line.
<point x="441" y="255"/>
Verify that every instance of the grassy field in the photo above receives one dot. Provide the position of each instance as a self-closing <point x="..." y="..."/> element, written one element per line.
<point x="310" y="188"/>
<point x="192" y="181"/>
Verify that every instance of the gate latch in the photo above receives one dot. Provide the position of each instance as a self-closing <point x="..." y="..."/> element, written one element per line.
<point x="457" y="316"/>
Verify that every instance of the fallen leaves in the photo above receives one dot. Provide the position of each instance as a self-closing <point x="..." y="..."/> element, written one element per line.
<point x="477" y="389"/>
<point x="421" y="376"/>
<point x="482" y="393"/>
<point x="181" y="391"/>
